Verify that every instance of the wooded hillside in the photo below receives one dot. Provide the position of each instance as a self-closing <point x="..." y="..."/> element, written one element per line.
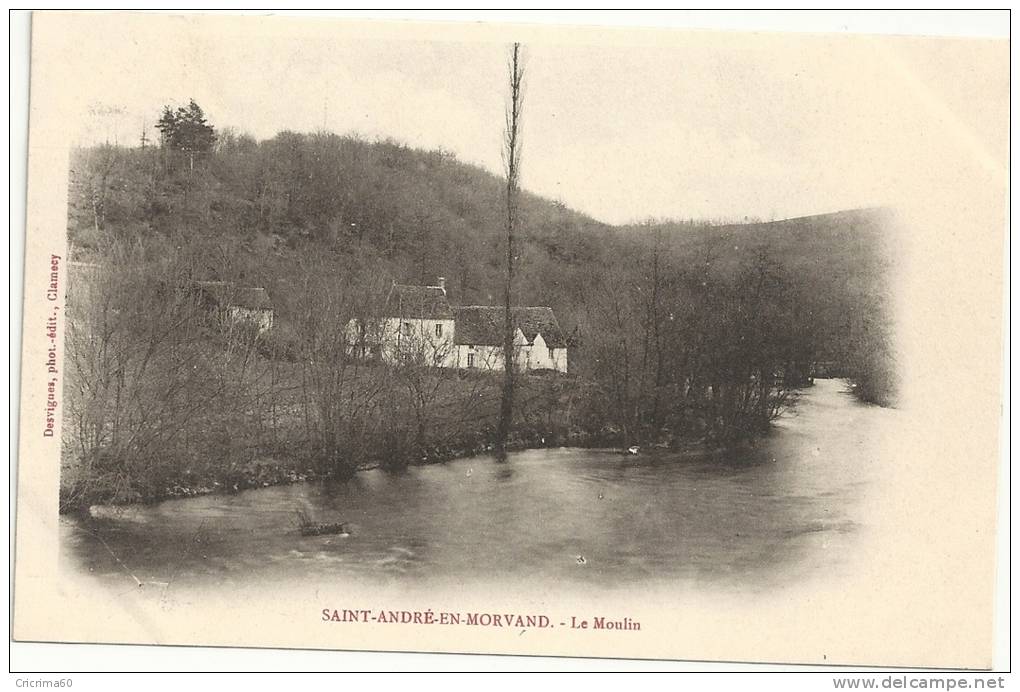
<point x="251" y="210"/>
<point x="680" y="331"/>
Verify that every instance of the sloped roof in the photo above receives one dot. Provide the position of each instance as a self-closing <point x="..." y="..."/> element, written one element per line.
<point x="254" y="298"/>
<point x="540" y="320"/>
<point x="482" y="325"/>
<point x="421" y="302"/>
<point x="228" y="294"/>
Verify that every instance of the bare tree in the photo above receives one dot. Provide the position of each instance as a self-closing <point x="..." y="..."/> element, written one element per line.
<point x="420" y="370"/>
<point x="344" y="394"/>
<point x="613" y="311"/>
<point x="651" y="348"/>
<point x="511" y="162"/>
<point x="98" y="167"/>
<point x="148" y="369"/>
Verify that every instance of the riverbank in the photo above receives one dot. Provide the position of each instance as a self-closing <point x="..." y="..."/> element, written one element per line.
<point x="660" y="515"/>
<point x="285" y="443"/>
<point x="282" y="439"/>
<point x="267" y="472"/>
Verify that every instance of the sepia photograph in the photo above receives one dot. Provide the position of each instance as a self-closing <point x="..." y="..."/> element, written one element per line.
<point x="512" y="338"/>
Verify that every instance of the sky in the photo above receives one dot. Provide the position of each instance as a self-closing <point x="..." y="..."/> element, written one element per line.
<point x="623" y="126"/>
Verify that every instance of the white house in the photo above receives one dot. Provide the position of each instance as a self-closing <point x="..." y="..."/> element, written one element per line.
<point x="539" y="341"/>
<point x="418" y="325"/>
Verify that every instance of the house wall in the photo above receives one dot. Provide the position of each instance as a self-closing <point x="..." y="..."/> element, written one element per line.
<point x="491" y="357"/>
<point x="263" y="319"/>
<point x="485" y="357"/>
<point x="560" y="359"/>
<point x="393" y="344"/>
<point x="529" y="356"/>
<point x="541" y="357"/>
<point x="396" y="343"/>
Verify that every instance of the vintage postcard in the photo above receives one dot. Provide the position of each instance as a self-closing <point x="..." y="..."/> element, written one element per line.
<point x="512" y="338"/>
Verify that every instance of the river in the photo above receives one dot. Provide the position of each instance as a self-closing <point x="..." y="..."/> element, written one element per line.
<point x="789" y="508"/>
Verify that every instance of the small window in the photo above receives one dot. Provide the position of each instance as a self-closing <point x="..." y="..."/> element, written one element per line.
<point x="551" y="355"/>
<point x="471" y="360"/>
<point x="407" y="329"/>
<point x="439" y="330"/>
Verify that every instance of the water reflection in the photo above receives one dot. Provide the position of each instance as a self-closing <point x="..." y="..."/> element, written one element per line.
<point x="786" y="507"/>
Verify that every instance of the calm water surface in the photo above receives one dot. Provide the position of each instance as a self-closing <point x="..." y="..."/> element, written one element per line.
<point x="789" y="507"/>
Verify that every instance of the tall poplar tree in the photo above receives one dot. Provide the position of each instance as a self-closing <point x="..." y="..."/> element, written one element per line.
<point x="512" y="164"/>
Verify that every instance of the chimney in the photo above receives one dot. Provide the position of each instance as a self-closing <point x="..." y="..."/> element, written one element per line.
<point x="441" y="282"/>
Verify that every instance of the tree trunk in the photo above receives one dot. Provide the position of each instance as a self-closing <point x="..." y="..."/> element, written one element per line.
<point x="511" y="154"/>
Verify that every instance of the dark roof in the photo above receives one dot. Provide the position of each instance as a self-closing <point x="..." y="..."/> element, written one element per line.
<point x="482" y="325"/>
<point x="535" y="321"/>
<point x="478" y="325"/>
<point x="421" y="302"/>
<point x="228" y="294"/>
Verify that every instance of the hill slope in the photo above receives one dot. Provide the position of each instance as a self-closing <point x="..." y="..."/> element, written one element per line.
<point x="255" y="212"/>
<point x="420" y="214"/>
<point x="680" y="333"/>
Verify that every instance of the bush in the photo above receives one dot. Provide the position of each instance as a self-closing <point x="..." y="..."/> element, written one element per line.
<point x="279" y="344"/>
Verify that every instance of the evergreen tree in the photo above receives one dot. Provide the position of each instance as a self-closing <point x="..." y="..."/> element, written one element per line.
<point x="186" y="130"/>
